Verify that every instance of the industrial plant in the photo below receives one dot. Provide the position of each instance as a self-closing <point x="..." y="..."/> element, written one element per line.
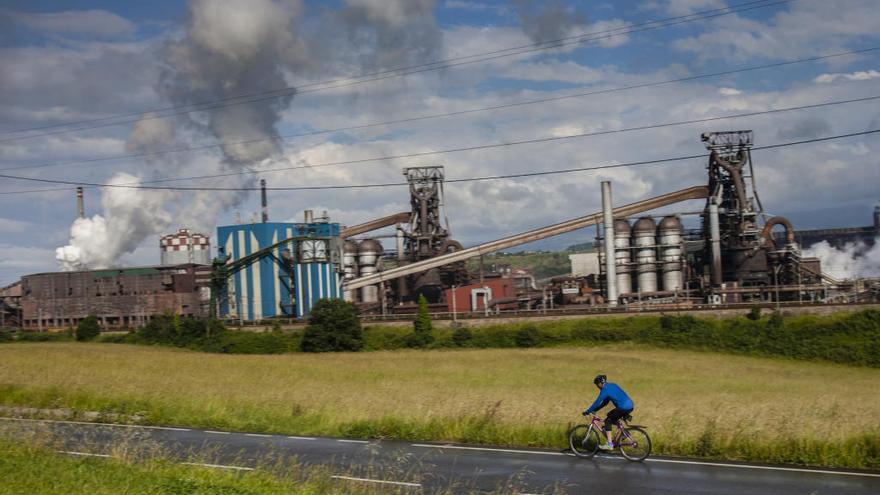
<point x="734" y="253"/>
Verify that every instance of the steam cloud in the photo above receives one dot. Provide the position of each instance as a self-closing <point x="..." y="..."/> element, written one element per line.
<point x="98" y="242"/>
<point x="854" y="260"/>
<point x="231" y="48"/>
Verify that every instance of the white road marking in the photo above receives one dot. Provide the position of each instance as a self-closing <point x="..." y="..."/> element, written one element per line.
<point x="401" y="483"/>
<point x="538" y="452"/>
<point x="219" y="466"/>
<point x="82" y="453"/>
<point x="768" y="468"/>
<point x="257" y="435"/>
<point x="118" y="425"/>
<point x="217" y="432"/>
<point x="459" y="447"/>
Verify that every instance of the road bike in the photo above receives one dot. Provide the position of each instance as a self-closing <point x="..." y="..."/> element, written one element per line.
<point x="632" y="441"/>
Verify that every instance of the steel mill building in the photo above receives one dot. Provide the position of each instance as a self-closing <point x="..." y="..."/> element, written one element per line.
<point x="118" y="297"/>
<point x="277" y="269"/>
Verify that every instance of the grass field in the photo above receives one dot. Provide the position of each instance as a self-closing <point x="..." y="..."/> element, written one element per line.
<point x="29" y="468"/>
<point x="695" y="403"/>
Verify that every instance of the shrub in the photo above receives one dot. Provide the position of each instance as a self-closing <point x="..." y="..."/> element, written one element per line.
<point x="754" y="313"/>
<point x="88" y="328"/>
<point x="5" y="335"/>
<point x="333" y="326"/>
<point x="171" y="329"/>
<point x="527" y="336"/>
<point x="422" y="334"/>
<point x="462" y="337"/>
<point x="254" y="343"/>
<point x="43" y="337"/>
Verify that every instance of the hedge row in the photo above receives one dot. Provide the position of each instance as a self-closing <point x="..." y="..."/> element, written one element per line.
<point x="852" y="338"/>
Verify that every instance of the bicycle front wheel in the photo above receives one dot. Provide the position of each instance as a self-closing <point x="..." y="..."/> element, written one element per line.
<point x="584" y="440"/>
<point x="635" y="444"/>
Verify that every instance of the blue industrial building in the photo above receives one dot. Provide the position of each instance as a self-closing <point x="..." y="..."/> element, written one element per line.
<point x="278" y="269"/>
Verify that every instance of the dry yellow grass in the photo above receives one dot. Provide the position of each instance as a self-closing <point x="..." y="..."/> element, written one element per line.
<point x="680" y="394"/>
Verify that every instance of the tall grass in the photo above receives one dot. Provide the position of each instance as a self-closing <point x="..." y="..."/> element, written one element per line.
<point x="695" y="403"/>
<point x="31" y="468"/>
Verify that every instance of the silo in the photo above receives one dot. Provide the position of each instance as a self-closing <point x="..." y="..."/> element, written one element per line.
<point x="669" y="238"/>
<point x="349" y="265"/>
<point x="622" y="256"/>
<point x="644" y="231"/>
<point x="368" y="256"/>
<point x="185" y="247"/>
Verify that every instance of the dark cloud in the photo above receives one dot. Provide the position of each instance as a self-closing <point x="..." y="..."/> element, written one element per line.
<point x="548" y="20"/>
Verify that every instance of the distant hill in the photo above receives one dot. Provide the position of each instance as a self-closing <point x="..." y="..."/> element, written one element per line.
<point x="541" y="264"/>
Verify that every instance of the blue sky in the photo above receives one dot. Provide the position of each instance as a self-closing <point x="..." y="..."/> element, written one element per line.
<point x="71" y="61"/>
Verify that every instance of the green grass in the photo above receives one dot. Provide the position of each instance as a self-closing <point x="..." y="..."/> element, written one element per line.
<point x="33" y="469"/>
<point x="695" y="403"/>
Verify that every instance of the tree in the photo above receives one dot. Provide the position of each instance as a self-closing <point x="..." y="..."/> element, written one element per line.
<point x="422" y="334"/>
<point x="333" y="326"/>
<point x="88" y="328"/>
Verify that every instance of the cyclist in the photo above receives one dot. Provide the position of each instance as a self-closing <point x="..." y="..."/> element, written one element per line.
<point x="623" y="405"/>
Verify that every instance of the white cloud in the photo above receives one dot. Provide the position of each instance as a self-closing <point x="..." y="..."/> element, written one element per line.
<point x="862" y="75"/>
<point x="94" y="23"/>
<point x="806" y="27"/>
<point x="729" y="91"/>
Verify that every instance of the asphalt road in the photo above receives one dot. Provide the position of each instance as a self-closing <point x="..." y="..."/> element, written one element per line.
<point x="428" y="467"/>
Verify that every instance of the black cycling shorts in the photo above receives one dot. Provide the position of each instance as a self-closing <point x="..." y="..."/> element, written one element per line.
<point x="614" y="416"/>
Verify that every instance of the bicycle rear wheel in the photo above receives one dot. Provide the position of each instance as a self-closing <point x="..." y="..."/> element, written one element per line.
<point x="635" y="444"/>
<point x="584" y="440"/>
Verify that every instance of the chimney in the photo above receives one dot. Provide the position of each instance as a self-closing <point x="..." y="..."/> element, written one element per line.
<point x="264" y="202"/>
<point x="80" y="205"/>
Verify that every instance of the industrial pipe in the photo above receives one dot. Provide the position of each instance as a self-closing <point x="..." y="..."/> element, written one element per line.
<point x="715" y="241"/>
<point x="608" y="244"/>
<point x="697" y="192"/>
<point x="80" y="204"/>
<point x="767" y="233"/>
<point x="375" y="224"/>
<point x="263" y="200"/>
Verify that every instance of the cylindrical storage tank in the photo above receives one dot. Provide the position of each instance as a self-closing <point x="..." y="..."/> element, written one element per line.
<point x="185" y="247"/>
<point x="350" y="260"/>
<point x="368" y="255"/>
<point x="669" y="238"/>
<point x="368" y="252"/>
<point x="370" y="293"/>
<point x="622" y="256"/>
<point x="644" y="231"/>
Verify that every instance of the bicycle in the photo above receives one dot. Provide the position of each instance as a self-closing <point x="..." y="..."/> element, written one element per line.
<point x="632" y="440"/>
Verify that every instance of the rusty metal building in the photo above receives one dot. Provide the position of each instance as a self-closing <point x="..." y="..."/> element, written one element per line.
<point x="118" y="297"/>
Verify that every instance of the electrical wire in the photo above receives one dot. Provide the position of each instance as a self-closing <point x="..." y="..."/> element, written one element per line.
<point x="446" y="114"/>
<point x="510" y="143"/>
<point x="469" y="179"/>
<point x="399" y="72"/>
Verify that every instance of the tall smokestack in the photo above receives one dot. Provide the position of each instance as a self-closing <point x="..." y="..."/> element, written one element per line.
<point x="80" y="204"/>
<point x="608" y="244"/>
<point x="264" y="202"/>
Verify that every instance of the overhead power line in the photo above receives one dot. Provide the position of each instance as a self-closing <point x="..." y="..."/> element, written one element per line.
<point x="398" y="72"/>
<point x="447" y="114"/>
<point x="469" y="179"/>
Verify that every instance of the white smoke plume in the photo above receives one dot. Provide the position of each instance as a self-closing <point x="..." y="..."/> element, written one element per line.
<point x="230" y="48"/>
<point x="854" y="260"/>
<point x="131" y="215"/>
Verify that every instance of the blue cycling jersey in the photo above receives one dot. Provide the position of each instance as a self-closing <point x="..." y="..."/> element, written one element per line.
<point x="611" y="392"/>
